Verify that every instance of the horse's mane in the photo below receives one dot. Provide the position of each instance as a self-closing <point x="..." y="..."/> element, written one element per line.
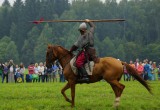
<point x="54" y="46"/>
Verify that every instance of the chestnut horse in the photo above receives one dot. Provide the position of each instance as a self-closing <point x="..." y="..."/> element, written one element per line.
<point x="108" y="68"/>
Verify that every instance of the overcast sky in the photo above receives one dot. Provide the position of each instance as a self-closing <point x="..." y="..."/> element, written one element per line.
<point x="12" y="1"/>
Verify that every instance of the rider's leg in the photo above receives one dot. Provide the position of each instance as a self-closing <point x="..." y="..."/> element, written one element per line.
<point x="80" y="61"/>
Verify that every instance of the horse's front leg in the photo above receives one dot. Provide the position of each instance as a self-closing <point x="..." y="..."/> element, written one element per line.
<point x="72" y="85"/>
<point x="67" y="86"/>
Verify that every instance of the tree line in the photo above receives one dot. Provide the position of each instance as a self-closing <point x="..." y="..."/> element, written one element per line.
<point x="137" y="37"/>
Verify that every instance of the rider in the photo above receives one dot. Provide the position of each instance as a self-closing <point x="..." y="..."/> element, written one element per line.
<point x="85" y="42"/>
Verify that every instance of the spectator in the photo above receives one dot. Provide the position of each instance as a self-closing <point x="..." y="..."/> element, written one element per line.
<point x="140" y="69"/>
<point x="11" y="74"/>
<point x="60" y="71"/>
<point x="11" y="71"/>
<point x="146" y="70"/>
<point x="136" y="63"/>
<point x="5" y="72"/>
<point x="49" y="72"/>
<point x="18" y="76"/>
<point x="30" y="71"/>
<point x="35" y="75"/>
<point x="22" y="70"/>
<point x="15" y="73"/>
<point x="45" y="73"/>
<point x="41" y="72"/>
<point x="55" y="71"/>
<point x="126" y="75"/>
<point x="150" y="75"/>
<point x="155" y="71"/>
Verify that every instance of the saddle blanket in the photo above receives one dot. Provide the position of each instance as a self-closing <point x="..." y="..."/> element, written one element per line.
<point x="74" y="68"/>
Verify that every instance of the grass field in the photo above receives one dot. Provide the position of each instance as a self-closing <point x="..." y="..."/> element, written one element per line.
<point x="96" y="96"/>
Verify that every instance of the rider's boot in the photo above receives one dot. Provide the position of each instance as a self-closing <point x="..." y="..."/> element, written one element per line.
<point x="83" y="71"/>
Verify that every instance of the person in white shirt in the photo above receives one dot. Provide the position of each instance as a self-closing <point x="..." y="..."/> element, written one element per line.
<point x="22" y="70"/>
<point x="36" y="74"/>
<point x="41" y="72"/>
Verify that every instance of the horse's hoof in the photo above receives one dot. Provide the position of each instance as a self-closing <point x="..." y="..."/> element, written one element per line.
<point x="116" y="105"/>
<point x="72" y="106"/>
<point x="68" y="100"/>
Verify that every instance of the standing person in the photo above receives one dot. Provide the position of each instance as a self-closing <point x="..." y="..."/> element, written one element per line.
<point x="35" y="75"/>
<point x="22" y="70"/>
<point x="126" y="74"/>
<point x="15" y="73"/>
<point x="11" y="71"/>
<point x="55" y="71"/>
<point x="45" y="72"/>
<point x="41" y="72"/>
<point x="62" y="79"/>
<point x="150" y="75"/>
<point x="11" y="74"/>
<point x="85" y="42"/>
<point x="140" y="69"/>
<point x="146" y="70"/>
<point x="154" y="71"/>
<point x="5" y="72"/>
<point x="49" y="72"/>
<point x="30" y="71"/>
<point x="136" y="63"/>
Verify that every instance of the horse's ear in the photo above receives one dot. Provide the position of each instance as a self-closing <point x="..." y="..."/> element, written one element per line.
<point x="49" y="46"/>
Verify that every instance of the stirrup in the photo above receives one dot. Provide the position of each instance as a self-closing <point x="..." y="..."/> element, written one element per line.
<point x="85" y="78"/>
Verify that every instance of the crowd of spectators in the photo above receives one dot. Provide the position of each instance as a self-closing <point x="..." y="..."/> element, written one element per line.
<point x="148" y="70"/>
<point x="35" y="72"/>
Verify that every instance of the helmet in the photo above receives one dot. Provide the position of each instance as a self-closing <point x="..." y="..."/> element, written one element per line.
<point x="83" y="26"/>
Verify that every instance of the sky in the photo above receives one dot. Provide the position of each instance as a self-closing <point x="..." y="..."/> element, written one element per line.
<point x="12" y="1"/>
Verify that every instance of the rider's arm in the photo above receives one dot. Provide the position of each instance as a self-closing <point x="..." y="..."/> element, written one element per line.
<point x="73" y="48"/>
<point x="92" y="26"/>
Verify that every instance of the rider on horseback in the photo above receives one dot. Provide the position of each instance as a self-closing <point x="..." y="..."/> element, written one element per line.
<point x="85" y="42"/>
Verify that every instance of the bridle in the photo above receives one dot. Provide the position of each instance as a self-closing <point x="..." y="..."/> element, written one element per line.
<point x="53" y="57"/>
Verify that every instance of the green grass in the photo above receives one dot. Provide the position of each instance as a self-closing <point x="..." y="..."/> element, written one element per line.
<point x="96" y="96"/>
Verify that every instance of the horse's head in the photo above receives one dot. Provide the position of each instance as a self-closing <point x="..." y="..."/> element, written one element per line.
<point x="57" y="52"/>
<point x="50" y="56"/>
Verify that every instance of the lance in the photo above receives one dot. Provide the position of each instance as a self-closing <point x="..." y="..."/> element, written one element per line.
<point x="50" y="21"/>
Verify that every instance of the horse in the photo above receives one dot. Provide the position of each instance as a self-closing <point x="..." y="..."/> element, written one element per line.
<point x="108" y="68"/>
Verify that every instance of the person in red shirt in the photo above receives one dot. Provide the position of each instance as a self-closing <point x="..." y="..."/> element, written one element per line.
<point x="31" y="68"/>
<point x="30" y="72"/>
<point x="140" y="69"/>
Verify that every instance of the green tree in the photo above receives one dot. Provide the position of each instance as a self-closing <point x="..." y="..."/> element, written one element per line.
<point x="8" y="50"/>
<point x="5" y="20"/>
<point x="120" y="53"/>
<point x="107" y="47"/>
<point x="13" y="32"/>
<point x="41" y="44"/>
<point x="11" y="52"/>
<point x="27" y="54"/>
<point x="131" y="50"/>
<point x="18" y="18"/>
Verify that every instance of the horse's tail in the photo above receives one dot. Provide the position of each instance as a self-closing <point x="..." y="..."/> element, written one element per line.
<point x="134" y="73"/>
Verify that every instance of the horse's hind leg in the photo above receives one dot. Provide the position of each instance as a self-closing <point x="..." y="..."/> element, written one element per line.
<point x="67" y="86"/>
<point x="118" y="89"/>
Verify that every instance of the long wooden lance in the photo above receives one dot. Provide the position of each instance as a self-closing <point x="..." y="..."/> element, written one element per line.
<point x="50" y="21"/>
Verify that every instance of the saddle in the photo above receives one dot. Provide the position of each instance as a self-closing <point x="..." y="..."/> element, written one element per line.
<point x="89" y="68"/>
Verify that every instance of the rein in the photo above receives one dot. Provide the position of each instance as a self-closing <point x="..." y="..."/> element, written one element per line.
<point x="63" y="57"/>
